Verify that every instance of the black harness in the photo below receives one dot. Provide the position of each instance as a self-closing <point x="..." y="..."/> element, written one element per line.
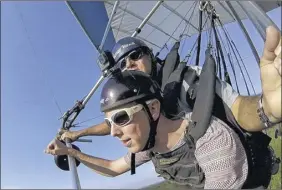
<point x="181" y="84"/>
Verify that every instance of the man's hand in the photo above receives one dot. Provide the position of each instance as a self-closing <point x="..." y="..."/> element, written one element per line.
<point x="71" y="135"/>
<point x="270" y="70"/>
<point x="56" y="147"/>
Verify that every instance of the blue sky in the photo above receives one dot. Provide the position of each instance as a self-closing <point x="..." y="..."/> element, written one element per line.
<point x="45" y="54"/>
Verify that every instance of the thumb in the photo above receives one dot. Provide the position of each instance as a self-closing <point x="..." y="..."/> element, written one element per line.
<point x="271" y="42"/>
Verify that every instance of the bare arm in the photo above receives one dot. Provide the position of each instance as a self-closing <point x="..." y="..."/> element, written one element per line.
<point x="104" y="167"/>
<point x="101" y="129"/>
<point x="244" y="110"/>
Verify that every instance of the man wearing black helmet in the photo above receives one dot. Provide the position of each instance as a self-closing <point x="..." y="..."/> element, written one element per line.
<point x="134" y="54"/>
<point x="132" y="103"/>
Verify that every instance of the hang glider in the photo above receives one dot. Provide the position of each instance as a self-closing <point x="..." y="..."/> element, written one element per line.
<point x="163" y="21"/>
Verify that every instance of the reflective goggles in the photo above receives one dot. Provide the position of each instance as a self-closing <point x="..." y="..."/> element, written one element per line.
<point x="124" y="116"/>
<point x="133" y="55"/>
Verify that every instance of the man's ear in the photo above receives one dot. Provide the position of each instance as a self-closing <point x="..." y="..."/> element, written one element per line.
<point x="154" y="107"/>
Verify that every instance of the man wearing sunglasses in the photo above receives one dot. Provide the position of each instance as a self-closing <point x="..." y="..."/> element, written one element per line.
<point x="134" y="54"/>
<point x="217" y="159"/>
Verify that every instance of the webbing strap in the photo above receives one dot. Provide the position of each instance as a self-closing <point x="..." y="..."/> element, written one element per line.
<point x="171" y="63"/>
<point x="132" y="164"/>
<point x="202" y="111"/>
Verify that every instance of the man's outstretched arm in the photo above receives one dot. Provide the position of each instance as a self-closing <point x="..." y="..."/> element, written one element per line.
<point x="100" y="129"/>
<point x="245" y="107"/>
<point x="244" y="110"/>
<point x="109" y="168"/>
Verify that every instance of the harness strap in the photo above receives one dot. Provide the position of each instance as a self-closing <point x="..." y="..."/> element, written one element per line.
<point x="189" y="88"/>
<point x="132" y="164"/>
<point x="202" y="110"/>
<point x="171" y="63"/>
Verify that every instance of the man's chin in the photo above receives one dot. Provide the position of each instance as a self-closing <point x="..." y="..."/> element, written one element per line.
<point x="135" y="149"/>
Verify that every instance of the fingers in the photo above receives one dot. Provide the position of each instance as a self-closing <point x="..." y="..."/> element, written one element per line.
<point x="51" y="147"/>
<point x="277" y="62"/>
<point x="66" y="136"/>
<point x="273" y="38"/>
<point x="277" y="51"/>
<point x="61" y="131"/>
<point x="48" y="151"/>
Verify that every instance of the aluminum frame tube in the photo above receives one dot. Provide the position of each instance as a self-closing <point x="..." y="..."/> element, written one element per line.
<point x="71" y="160"/>
<point x="73" y="169"/>
<point x="109" y="25"/>
<point x="147" y="18"/>
<point x="141" y="18"/>
<point x="254" y="21"/>
<point x="264" y="20"/>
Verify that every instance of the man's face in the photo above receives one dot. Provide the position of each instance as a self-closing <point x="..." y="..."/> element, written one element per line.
<point x="137" y="60"/>
<point x="130" y="125"/>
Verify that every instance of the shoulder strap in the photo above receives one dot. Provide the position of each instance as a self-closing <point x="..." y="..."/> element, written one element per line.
<point x="202" y="110"/>
<point x="171" y="63"/>
<point x="171" y="90"/>
<point x="189" y="88"/>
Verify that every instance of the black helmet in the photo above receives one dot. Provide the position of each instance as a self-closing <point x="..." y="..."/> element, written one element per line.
<point x="126" y="45"/>
<point x="128" y="87"/>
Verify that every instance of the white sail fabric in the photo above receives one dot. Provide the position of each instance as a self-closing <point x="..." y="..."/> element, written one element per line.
<point x="170" y="19"/>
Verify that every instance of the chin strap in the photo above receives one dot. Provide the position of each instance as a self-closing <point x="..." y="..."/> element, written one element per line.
<point x="132" y="165"/>
<point x="151" y="139"/>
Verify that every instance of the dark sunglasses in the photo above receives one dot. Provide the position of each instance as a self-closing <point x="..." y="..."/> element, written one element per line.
<point x="134" y="55"/>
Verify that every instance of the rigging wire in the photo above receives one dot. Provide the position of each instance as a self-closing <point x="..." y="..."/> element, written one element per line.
<point x="241" y="59"/>
<point x="88" y="120"/>
<point x="182" y="34"/>
<point x="216" y="51"/>
<point x="36" y="58"/>
<point x="194" y="46"/>
<point x="232" y="44"/>
<point x="206" y="30"/>
<point x="177" y="28"/>
<point x="165" y="44"/>
<point x="164" y="19"/>
<point x="193" y="54"/>
<point x="229" y="58"/>
<point x="219" y="50"/>
<point x="217" y="54"/>
<point x="218" y="44"/>
<point x="200" y="33"/>
<point x="42" y="70"/>
<point x="210" y="11"/>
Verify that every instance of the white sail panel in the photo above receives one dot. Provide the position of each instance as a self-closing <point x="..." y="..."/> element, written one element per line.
<point x="169" y="20"/>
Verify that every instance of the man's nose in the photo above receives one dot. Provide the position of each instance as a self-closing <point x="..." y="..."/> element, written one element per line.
<point x="115" y="131"/>
<point x="129" y="62"/>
